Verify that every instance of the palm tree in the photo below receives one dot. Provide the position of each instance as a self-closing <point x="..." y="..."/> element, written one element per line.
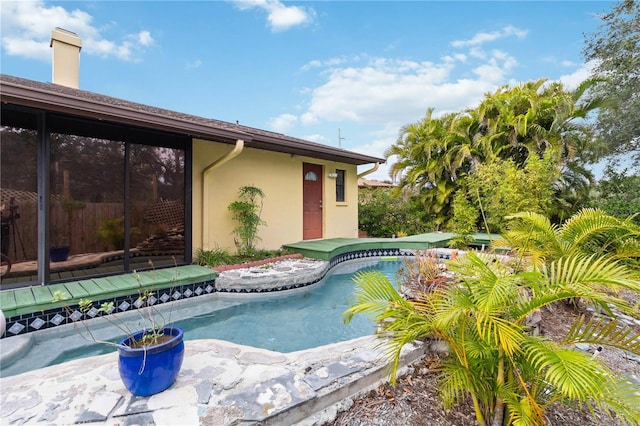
<point x="437" y="156"/>
<point x="421" y="160"/>
<point x="588" y="232"/>
<point x="510" y="375"/>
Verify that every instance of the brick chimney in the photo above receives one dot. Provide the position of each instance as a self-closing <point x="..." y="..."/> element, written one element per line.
<point x="66" y="57"/>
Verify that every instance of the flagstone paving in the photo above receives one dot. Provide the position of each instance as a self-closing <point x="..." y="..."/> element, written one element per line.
<point x="220" y="383"/>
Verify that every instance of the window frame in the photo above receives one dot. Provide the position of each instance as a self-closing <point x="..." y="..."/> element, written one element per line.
<point x="341" y="196"/>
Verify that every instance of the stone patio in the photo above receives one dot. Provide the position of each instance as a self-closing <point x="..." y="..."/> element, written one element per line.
<point x="220" y="383"/>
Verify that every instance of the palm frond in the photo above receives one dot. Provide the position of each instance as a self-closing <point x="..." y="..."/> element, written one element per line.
<point x="500" y="332"/>
<point x="603" y="331"/>
<point x="621" y="399"/>
<point x="399" y="321"/>
<point x="373" y="296"/>
<point x="578" y="270"/>
<point x="458" y="380"/>
<point x="573" y="373"/>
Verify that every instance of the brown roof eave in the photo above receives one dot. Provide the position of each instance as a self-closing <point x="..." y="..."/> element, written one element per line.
<point x="51" y="97"/>
<point x="62" y="103"/>
<point x="308" y="149"/>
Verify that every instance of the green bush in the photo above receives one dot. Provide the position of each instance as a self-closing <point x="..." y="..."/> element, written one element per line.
<point x="215" y="257"/>
<point x="382" y="214"/>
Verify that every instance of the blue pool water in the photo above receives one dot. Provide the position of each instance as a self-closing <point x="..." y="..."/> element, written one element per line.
<point x="283" y="323"/>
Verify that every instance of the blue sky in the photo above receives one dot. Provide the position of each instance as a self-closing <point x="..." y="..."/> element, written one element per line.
<point x="309" y="69"/>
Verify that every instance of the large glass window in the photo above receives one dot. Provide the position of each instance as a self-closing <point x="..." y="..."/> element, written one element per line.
<point x="19" y="197"/>
<point x="87" y="202"/>
<point x="157" y="205"/>
<point x="116" y="197"/>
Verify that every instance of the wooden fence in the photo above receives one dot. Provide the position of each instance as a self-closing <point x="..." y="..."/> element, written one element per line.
<point x="81" y="235"/>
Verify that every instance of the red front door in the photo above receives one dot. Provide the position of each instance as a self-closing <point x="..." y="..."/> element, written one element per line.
<point x="311" y="201"/>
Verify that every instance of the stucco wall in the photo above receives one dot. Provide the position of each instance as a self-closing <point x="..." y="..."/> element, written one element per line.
<point x="280" y="178"/>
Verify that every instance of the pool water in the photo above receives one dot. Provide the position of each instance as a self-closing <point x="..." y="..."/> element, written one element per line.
<point x="282" y="323"/>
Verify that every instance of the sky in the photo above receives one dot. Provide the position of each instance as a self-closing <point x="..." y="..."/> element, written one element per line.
<point x="347" y="74"/>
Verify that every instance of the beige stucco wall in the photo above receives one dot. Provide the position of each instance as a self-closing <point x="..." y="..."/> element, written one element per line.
<point x="279" y="176"/>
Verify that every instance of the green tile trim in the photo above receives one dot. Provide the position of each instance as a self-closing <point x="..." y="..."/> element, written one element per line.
<point x="38" y="298"/>
<point x="24" y="297"/>
<point x="329" y="248"/>
<point x="42" y="295"/>
<point x="75" y="289"/>
<point x="8" y="303"/>
<point x="92" y="288"/>
<point x="107" y="287"/>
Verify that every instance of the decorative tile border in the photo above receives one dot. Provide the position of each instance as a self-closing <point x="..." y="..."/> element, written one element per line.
<point x="41" y="320"/>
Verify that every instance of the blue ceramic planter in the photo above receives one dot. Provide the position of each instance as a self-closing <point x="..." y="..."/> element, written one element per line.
<point x="147" y="371"/>
<point x="59" y="253"/>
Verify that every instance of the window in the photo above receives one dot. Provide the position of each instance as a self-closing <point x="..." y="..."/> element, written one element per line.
<point x="340" y="185"/>
<point x="311" y="176"/>
<point x="118" y="197"/>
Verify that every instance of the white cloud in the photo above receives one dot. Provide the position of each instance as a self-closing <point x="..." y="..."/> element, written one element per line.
<point x="573" y="80"/>
<point x="26" y="31"/>
<point x="397" y="91"/>
<point x="331" y="62"/>
<point x="279" y="16"/>
<point x="283" y="123"/>
<point x="144" y="38"/>
<point x="483" y="37"/>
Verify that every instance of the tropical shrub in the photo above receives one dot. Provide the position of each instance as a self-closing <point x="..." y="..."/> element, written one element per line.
<point x="215" y="257"/>
<point x="590" y="232"/>
<point x="383" y="213"/>
<point x="247" y="211"/>
<point x="511" y="375"/>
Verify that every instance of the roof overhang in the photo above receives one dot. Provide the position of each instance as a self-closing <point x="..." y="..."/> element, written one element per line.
<point x="65" y="100"/>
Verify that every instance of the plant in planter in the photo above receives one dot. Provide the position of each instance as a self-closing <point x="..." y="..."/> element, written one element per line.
<point x="111" y="234"/>
<point x="60" y="249"/>
<point x="149" y="359"/>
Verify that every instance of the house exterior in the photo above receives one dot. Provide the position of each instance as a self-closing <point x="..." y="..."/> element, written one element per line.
<point x="121" y="184"/>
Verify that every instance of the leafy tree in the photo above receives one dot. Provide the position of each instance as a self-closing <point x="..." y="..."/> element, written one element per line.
<point x="501" y="188"/>
<point x="247" y="212"/>
<point x="618" y="194"/>
<point x="510" y="374"/>
<point x="437" y="156"/>
<point x="615" y="51"/>
<point x="382" y="213"/>
<point x="421" y="162"/>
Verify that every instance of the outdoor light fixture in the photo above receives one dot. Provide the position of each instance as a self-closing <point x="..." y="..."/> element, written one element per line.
<point x="333" y="175"/>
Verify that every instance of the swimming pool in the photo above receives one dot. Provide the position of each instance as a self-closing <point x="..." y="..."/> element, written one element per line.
<point x="285" y="322"/>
